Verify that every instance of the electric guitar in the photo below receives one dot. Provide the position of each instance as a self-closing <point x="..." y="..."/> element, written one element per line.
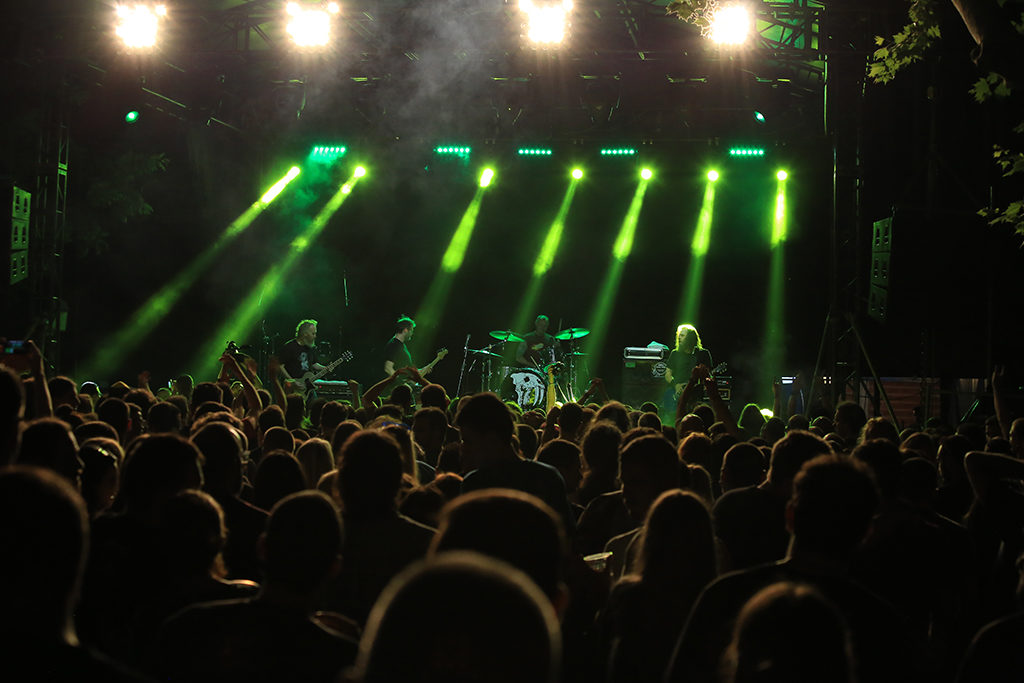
<point x="671" y="396"/>
<point x="304" y="384"/>
<point x="677" y="388"/>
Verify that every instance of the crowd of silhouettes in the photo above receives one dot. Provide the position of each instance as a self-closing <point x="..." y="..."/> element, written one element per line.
<point x="232" y="530"/>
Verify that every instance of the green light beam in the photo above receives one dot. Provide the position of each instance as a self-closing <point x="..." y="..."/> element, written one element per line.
<point x="601" y="312"/>
<point x="624" y="242"/>
<point x="698" y="250"/>
<point x="545" y="258"/>
<point x="774" y="336"/>
<point x="275" y="189"/>
<point x="779" y="219"/>
<point x="145" y="318"/>
<point x="241" y="321"/>
<point x="437" y="294"/>
<point x="455" y="254"/>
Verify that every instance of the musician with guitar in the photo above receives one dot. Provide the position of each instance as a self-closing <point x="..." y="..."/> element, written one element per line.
<point x="687" y="354"/>
<point x="299" y="365"/>
<point x="396" y="353"/>
<point x="299" y="356"/>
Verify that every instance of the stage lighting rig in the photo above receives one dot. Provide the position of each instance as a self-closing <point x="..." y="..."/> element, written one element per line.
<point x="731" y="25"/>
<point x="310" y="25"/>
<point x="137" y="25"/>
<point x="546" y="24"/>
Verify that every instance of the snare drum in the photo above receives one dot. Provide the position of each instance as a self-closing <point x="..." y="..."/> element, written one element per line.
<point x="527" y="387"/>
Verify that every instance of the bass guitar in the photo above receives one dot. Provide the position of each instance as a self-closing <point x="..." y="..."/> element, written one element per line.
<point x="304" y="384"/>
<point x="441" y="353"/>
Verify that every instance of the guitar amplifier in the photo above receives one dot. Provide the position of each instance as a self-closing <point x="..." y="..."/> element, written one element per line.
<point x="724" y="387"/>
<point x="643" y="375"/>
<point x="332" y="389"/>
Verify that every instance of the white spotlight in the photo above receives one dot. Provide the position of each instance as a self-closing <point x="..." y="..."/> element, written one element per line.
<point x="731" y="25"/>
<point x="137" y="25"/>
<point x="309" y="27"/>
<point x="546" y="24"/>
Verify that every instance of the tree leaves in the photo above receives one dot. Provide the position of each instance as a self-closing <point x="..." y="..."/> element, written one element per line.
<point x="907" y="46"/>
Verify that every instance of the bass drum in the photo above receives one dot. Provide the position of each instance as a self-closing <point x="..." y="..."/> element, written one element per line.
<point x="527" y="387"/>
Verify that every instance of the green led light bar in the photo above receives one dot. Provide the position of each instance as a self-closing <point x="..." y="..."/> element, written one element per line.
<point x="327" y="152"/>
<point x="618" y="152"/>
<point x="453" y="151"/>
<point x="534" y="152"/>
<point x="746" y="151"/>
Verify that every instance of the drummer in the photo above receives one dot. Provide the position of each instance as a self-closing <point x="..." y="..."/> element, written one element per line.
<point x="537" y="348"/>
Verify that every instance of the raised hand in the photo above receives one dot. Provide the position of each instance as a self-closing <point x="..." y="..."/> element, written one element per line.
<point x="415" y="375"/>
<point x="230" y="363"/>
<point x="999" y="378"/>
<point x="29" y="361"/>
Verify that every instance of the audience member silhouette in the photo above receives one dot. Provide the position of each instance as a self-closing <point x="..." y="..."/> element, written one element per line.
<point x="316" y="460"/>
<point x="511" y="526"/>
<point x="222" y="446"/>
<point x="454" y="619"/>
<point x="278" y="475"/>
<point x="429" y="429"/>
<point x="486" y="428"/>
<point x="743" y="465"/>
<point x="564" y="456"/>
<point x="648" y="466"/>
<point x="126" y="543"/>
<point x="647" y="609"/>
<point x="44" y="540"/>
<point x="790" y="632"/>
<point x="48" y="442"/>
<point x="834" y="500"/>
<point x="99" y="476"/>
<point x="600" y="452"/>
<point x="116" y="413"/>
<point x="12" y="410"/>
<point x="191" y="570"/>
<point x="934" y="584"/>
<point x="379" y="541"/>
<point x="273" y="636"/>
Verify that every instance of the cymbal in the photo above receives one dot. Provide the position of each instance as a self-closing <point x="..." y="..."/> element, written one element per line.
<point x="572" y="333"/>
<point x="483" y="353"/>
<point x="506" y="335"/>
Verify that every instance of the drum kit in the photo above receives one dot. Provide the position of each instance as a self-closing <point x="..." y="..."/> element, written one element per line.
<point x="555" y="371"/>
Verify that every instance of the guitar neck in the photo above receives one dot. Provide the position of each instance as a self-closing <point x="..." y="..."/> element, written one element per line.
<point x="430" y="366"/>
<point x="313" y="376"/>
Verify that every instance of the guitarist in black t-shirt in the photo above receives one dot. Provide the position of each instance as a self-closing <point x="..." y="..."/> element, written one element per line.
<point x="298" y="356"/>
<point x="396" y="353"/>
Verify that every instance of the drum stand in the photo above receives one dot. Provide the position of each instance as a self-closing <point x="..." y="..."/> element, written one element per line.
<point x="573" y="376"/>
<point x="486" y="357"/>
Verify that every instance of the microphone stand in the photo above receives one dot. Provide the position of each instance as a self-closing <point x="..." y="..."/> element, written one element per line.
<point x="462" y="370"/>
